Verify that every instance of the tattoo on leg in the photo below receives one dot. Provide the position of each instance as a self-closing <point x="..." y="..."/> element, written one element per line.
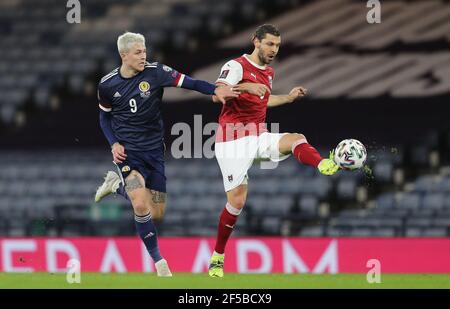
<point x="158" y="197"/>
<point x="133" y="184"/>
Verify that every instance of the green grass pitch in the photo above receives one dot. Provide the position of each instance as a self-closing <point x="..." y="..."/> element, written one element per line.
<point x="230" y="281"/>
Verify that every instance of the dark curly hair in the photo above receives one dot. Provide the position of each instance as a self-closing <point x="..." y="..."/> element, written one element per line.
<point x="262" y="30"/>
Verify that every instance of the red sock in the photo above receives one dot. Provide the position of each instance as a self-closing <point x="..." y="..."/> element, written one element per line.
<point x="305" y="153"/>
<point x="225" y="228"/>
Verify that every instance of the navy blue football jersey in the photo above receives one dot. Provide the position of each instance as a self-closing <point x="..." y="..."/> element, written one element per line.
<point x="135" y="104"/>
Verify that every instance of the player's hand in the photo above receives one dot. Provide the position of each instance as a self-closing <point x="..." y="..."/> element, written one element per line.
<point x="297" y="92"/>
<point x="118" y="152"/>
<point x="224" y="93"/>
<point x="252" y="88"/>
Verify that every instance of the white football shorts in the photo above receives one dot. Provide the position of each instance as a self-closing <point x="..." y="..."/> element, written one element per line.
<point x="236" y="157"/>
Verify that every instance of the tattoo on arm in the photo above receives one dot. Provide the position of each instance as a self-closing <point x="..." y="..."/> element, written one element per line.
<point x="158" y="197"/>
<point x="133" y="184"/>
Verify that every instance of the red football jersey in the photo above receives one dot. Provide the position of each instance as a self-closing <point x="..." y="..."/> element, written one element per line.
<point x="245" y="115"/>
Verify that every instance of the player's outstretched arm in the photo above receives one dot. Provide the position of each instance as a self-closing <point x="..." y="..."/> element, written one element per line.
<point x="222" y="93"/>
<point x="276" y="100"/>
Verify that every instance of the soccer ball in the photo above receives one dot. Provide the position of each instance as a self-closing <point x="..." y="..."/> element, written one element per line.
<point x="350" y="154"/>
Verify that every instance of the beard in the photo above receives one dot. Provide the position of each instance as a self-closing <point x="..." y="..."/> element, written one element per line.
<point x="264" y="59"/>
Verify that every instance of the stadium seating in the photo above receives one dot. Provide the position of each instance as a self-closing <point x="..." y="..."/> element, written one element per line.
<point x="47" y="51"/>
<point x="58" y="186"/>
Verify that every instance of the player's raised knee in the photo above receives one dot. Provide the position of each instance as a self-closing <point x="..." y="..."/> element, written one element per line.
<point x="298" y="136"/>
<point x="140" y="207"/>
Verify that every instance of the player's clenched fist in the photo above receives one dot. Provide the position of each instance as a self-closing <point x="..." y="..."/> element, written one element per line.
<point x="118" y="152"/>
<point x="297" y="92"/>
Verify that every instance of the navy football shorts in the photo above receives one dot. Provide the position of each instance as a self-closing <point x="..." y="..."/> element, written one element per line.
<point x="149" y="164"/>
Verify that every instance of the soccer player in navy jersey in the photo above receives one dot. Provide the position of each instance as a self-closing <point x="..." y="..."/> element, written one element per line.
<point x="130" y="101"/>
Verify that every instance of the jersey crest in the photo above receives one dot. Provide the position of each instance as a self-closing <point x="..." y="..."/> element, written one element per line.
<point x="144" y="88"/>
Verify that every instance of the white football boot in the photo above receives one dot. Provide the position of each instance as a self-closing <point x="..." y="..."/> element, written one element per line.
<point x="110" y="185"/>
<point x="162" y="268"/>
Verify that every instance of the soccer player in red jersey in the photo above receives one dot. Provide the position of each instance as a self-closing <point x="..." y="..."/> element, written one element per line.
<point x="242" y="136"/>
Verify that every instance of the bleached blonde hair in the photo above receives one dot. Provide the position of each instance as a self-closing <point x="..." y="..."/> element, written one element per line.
<point x="126" y="40"/>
